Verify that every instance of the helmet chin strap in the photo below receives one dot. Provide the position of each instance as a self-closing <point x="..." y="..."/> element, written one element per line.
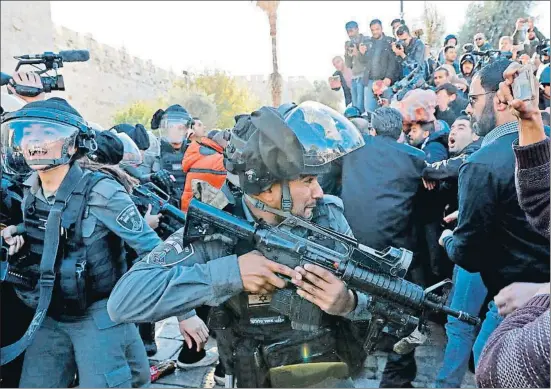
<point x="286" y="202"/>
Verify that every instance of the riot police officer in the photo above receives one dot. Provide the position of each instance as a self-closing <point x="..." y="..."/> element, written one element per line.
<point x="276" y="162"/>
<point x="75" y="224"/>
<point x="173" y="125"/>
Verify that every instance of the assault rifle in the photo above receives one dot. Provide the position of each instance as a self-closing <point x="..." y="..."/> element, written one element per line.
<point x="149" y="194"/>
<point x="392" y="301"/>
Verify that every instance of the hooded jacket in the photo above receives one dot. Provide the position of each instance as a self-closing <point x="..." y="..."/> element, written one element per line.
<point x="436" y="146"/>
<point x="204" y="160"/>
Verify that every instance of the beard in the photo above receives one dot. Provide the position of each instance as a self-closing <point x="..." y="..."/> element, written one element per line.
<point x="487" y="121"/>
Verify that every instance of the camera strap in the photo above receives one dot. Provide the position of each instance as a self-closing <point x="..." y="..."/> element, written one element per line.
<point x="47" y="264"/>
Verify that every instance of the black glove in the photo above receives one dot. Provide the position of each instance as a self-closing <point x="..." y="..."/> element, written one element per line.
<point x="162" y="180"/>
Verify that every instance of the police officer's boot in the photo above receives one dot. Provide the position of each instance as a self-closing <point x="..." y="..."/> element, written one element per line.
<point x="147" y="333"/>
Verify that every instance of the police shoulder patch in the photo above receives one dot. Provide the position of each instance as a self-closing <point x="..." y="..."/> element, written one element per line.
<point x="130" y="219"/>
<point x="171" y="252"/>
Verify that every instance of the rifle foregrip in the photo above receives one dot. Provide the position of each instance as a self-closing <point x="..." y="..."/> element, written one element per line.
<point x="390" y="288"/>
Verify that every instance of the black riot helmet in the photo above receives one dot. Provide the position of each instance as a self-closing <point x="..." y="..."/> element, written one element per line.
<point x="172" y="124"/>
<point x="264" y="148"/>
<point x="43" y="135"/>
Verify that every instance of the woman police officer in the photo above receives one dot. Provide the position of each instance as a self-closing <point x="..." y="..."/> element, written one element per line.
<point x="75" y="224"/>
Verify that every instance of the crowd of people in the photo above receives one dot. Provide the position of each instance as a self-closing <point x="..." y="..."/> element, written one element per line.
<point x="434" y="156"/>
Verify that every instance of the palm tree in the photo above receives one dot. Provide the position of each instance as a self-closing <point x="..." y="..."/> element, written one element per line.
<point x="270" y="7"/>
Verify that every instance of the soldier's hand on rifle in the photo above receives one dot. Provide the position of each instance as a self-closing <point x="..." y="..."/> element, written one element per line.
<point x="196" y="329"/>
<point x="152" y="220"/>
<point x="324" y="289"/>
<point x="29" y="79"/>
<point x="163" y="180"/>
<point x="259" y="274"/>
<point x="14" y="241"/>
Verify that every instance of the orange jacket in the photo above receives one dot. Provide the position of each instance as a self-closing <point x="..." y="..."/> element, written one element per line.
<point x="203" y="161"/>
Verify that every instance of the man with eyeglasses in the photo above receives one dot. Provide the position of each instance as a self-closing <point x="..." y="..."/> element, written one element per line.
<point x="493" y="236"/>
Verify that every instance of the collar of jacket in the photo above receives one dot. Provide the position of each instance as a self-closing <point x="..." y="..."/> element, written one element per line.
<point x="499" y="131"/>
<point x="205" y="141"/>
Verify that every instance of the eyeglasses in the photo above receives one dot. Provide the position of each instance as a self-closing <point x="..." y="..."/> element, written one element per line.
<point x="473" y="98"/>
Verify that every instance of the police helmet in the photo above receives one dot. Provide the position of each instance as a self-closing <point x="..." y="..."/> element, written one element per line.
<point x="285" y="108"/>
<point x="110" y="150"/>
<point x="173" y="124"/>
<point x="43" y="135"/>
<point x="96" y="127"/>
<point x="131" y="153"/>
<point x="352" y="112"/>
<point x="264" y="148"/>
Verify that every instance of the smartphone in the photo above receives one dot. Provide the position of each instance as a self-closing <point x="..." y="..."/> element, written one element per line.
<point x="525" y="83"/>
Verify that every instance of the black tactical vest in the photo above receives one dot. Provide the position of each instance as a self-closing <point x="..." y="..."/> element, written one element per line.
<point x="171" y="161"/>
<point x="11" y="198"/>
<point x="257" y="339"/>
<point x="87" y="271"/>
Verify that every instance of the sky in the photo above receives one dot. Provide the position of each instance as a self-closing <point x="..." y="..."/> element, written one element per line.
<point x="234" y="35"/>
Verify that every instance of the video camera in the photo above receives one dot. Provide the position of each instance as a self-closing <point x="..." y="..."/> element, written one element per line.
<point x="489" y="56"/>
<point x="543" y="50"/>
<point x="414" y="80"/>
<point x="468" y="48"/>
<point x="400" y="44"/>
<point x="51" y="61"/>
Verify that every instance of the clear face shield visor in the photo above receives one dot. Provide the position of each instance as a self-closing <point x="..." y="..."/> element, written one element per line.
<point x="36" y="143"/>
<point x="174" y="127"/>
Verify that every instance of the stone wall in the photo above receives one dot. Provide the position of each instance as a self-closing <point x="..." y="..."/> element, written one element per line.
<point x="110" y="80"/>
<point x="26" y="28"/>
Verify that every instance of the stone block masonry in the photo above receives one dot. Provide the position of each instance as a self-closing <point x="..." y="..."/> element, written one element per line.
<point x="109" y="81"/>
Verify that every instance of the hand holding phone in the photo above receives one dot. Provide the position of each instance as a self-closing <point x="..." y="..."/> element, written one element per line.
<point x="520" y="93"/>
<point x="524" y="84"/>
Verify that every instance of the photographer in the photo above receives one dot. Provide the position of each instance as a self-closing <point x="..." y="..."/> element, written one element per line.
<point x="342" y="78"/>
<point x="395" y="24"/>
<point x="409" y="50"/>
<point x="352" y="60"/>
<point x="508" y="50"/>
<point x="528" y="35"/>
<point x="380" y="64"/>
<point x="481" y="43"/>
